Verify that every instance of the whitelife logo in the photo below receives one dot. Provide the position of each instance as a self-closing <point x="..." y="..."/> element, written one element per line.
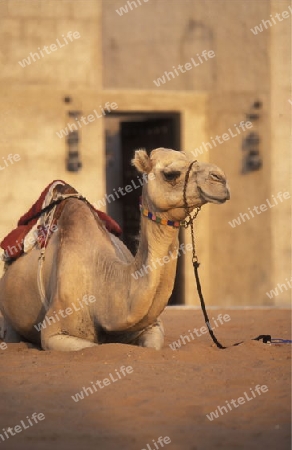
<point x="124" y="9"/>
<point x="269" y="23"/>
<point x="241" y="401"/>
<point x="279" y="286"/>
<point x="161" y="261"/>
<point x="45" y="50"/>
<point x="187" y="66"/>
<point x="206" y="146"/>
<point x="9" y="160"/>
<point x="87" y="119"/>
<point x="128" y="188"/>
<point x="183" y="339"/>
<point x="29" y="240"/>
<point x="159" y="443"/>
<point x="24" y="424"/>
<point x="101" y="384"/>
<point x="55" y="317"/>
<point x="259" y="209"/>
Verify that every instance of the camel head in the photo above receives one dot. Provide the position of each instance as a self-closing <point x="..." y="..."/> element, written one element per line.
<point x="165" y="173"/>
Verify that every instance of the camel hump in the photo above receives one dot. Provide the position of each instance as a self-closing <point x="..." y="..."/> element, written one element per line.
<point x="33" y="224"/>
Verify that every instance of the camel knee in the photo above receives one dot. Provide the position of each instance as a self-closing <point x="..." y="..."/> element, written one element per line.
<point x="153" y="336"/>
<point x="65" y="343"/>
<point x="8" y="333"/>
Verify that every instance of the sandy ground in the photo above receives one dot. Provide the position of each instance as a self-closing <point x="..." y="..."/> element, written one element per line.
<point x="168" y="393"/>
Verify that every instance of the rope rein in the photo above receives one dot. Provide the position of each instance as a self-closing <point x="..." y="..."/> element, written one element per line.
<point x="266" y="338"/>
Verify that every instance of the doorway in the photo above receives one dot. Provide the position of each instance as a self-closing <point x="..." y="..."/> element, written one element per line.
<point x="125" y="133"/>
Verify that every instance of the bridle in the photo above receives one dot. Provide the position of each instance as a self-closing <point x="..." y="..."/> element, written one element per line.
<point x="266" y="338"/>
<point x="175" y="224"/>
<point x="189" y="222"/>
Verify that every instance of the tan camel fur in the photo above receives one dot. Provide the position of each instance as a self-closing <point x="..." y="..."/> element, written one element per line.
<point x="90" y="268"/>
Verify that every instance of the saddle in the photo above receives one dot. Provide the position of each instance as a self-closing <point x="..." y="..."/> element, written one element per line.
<point x="38" y="224"/>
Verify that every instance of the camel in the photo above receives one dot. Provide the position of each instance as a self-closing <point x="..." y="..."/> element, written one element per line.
<point x="90" y="270"/>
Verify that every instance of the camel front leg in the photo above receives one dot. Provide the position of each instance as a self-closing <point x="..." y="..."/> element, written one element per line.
<point x="65" y="343"/>
<point x="153" y="336"/>
<point x="59" y="330"/>
<point x="7" y="332"/>
<point x="59" y="336"/>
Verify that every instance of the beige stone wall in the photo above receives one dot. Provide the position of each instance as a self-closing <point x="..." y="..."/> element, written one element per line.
<point x="116" y="59"/>
<point x="281" y="148"/>
<point x="240" y="273"/>
<point x="155" y="38"/>
<point x="159" y="34"/>
<point x="32" y="109"/>
<point x="27" y="26"/>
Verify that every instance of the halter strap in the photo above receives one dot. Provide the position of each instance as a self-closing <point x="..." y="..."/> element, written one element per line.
<point x="152" y="216"/>
<point x="172" y="223"/>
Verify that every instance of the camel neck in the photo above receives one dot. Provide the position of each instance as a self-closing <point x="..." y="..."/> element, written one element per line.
<point x="153" y="271"/>
<point x="156" y="240"/>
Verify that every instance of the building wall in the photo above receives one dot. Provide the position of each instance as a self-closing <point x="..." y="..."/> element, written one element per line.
<point x="281" y="144"/>
<point x="116" y="59"/>
<point x="152" y="38"/>
<point x="150" y="41"/>
<point x="32" y="107"/>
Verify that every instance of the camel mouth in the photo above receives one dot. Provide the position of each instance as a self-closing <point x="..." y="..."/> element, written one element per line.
<point x="216" y="200"/>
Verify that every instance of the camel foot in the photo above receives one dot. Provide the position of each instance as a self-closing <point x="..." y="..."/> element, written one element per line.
<point x="65" y="343"/>
<point x="153" y="336"/>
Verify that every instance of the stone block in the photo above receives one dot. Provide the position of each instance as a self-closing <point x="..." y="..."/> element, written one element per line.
<point x="9" y="28"/>
<point x="45" y="29"/>
<point x="84" y="28"/>
<point x="57" y="9"/>
<point x="90" y="10"/>
<point x="3" y="9"/>
<point x="24" y="8"/>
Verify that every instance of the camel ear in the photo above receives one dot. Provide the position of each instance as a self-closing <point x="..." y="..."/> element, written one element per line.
<point x="142" y="161"/>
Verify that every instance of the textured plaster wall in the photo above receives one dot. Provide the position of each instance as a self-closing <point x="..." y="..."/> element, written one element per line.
<point x="116" y="59"/>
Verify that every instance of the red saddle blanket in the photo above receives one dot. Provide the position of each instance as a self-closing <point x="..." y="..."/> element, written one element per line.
<point x="13" y="243"/>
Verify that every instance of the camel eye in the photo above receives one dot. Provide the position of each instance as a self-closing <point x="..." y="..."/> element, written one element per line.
<point x="171" y="176"/>
<point x="216" y="177"/>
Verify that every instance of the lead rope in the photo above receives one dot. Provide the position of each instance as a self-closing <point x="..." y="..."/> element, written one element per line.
<point x="266" y="338"/>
